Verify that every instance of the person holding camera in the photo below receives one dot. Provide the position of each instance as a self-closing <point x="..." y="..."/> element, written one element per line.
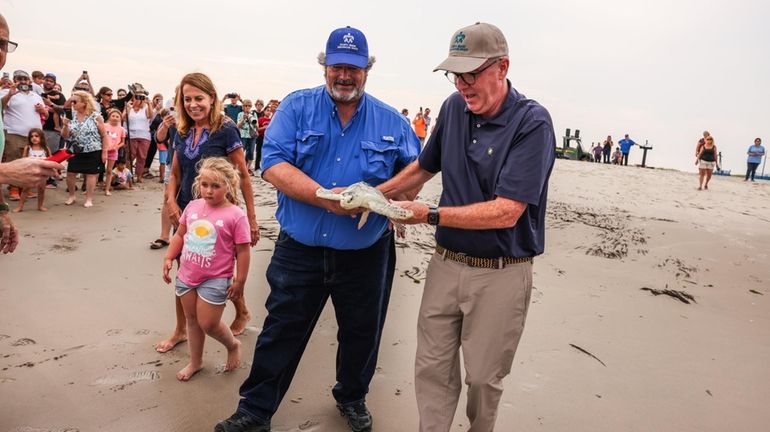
<point x="23" y="111"/>
<point x="248" y="127"/>
<point x="138" y="115"/>
<point x="83" y="83"/>
<point x="233" y="109"/>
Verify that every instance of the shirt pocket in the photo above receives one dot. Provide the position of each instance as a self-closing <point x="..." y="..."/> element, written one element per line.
<point x="307" y="147"/>
<point x="377" y="163"/>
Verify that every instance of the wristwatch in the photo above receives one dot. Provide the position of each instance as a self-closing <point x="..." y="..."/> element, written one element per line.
<point x="433" y="215"/>
<point x="4" y="208"/>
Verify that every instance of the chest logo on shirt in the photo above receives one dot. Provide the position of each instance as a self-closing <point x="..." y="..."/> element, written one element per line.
<point x="200" y="238"/>
<point x="490" y="151"/>
<point x="388" y="138"/>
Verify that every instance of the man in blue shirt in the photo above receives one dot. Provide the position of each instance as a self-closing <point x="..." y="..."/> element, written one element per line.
<point x="625" y="148"/>
<point x="495" y="150"/>
<point x="330" y="136"/>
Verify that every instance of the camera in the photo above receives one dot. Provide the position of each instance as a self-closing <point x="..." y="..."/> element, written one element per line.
<point x="254" y="122"/>
<point x="24" y="87"/>
<point x="85" y="72"/>
<point x="140" y="97"/>
<point x="232" y="95"/>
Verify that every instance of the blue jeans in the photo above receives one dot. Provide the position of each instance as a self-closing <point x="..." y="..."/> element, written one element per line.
<point x="301" y="279"/>
<point x="248" y="147"/>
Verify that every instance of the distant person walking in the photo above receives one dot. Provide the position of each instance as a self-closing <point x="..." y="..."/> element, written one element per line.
<point x="756" y="152"/>
<point x="625" y="148"/>
<point x="701" y="142"/>
<point x="607" y="150"/>
<point x="706" y="161"/>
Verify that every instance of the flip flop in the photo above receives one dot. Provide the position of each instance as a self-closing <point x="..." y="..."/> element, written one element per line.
<point x="158" y="244"/>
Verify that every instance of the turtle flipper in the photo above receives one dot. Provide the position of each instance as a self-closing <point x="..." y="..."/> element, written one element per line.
<point x="327" y="194"/>
<point x="364" y="217"/>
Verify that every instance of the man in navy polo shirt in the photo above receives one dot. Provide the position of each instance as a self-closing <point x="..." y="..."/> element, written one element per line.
<point x="495" y="150"/>
<point x="330" y="136"/>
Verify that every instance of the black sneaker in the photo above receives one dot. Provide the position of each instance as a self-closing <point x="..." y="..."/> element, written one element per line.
<point x="240" y="422"/>
<point x="358" y="416"/>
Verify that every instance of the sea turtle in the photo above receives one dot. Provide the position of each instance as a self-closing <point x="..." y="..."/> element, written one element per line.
<point x="362" y="195"/>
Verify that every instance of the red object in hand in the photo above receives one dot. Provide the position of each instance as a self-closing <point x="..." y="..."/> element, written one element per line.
<point x="60" y="156"/>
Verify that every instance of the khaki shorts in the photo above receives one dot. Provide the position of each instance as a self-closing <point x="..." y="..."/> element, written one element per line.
<point x="14" y="147"/>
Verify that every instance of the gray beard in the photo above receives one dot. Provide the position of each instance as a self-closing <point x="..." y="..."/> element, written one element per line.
<point x="348" y="97"/>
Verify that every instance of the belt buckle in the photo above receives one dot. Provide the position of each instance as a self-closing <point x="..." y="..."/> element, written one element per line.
<point x="461" y="257"/>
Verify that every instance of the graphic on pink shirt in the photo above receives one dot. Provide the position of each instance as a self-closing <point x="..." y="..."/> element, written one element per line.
<point x="209" y="244"/>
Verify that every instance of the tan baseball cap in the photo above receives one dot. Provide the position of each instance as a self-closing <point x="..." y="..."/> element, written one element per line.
<point x="471" y="46"/>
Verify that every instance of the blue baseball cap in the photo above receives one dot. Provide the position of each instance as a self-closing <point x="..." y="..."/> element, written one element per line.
<point x="347" y="45"/>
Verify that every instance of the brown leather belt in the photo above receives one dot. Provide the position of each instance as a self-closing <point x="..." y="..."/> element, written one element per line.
<point x="491" y="263"/>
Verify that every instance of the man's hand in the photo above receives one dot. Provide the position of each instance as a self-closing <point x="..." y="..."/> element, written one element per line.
<point x="418" y="209"/>
<point x="28" y="172"/>
<point x="10" y="235"/>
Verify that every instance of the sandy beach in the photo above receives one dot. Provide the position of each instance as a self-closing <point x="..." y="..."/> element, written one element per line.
<point x="83" y="303"/>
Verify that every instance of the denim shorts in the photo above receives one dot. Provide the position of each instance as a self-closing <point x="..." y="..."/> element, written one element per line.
<point x="163" y="157"/>
<point x="212" y="291"/>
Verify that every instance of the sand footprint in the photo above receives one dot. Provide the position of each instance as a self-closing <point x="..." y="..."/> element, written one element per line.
<point x="23" y="342"/>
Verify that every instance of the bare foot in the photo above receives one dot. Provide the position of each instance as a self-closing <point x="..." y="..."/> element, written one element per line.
<point x="700" y="188"/>
<point x="18" y="209"/>
<point x="188" y="372"/>
<point x="69" y="201"/>
<point x="41" y="208"/>
<point x="233" y="357"/>
<point x="108" y="193"/>
<point x="88" y="204"/>
<point x="239" y="324"/>
<point x="169" y="344"/>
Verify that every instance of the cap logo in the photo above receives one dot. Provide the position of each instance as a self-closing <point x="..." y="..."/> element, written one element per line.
<point x="458" y="44"/>
<point x="348" y="43"/>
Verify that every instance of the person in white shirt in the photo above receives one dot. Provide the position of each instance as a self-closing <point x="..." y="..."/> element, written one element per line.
<point x="24" y="110"/>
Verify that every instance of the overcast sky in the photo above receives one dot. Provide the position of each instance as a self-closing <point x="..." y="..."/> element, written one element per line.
<point x="660" y="70"/>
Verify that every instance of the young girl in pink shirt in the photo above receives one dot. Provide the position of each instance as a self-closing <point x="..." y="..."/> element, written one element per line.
<point x="116" y="138"/>
<point x="213" y="237"/>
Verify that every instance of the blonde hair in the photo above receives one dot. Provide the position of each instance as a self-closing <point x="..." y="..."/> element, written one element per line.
<point x="204" y="84"/>
<point x="112" y="111"/>
<point x="88" y="99"/>
<point x="224" y="172"/>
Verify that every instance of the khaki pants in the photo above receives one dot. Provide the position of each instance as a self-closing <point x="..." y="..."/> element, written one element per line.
<point x="481" y="311"/>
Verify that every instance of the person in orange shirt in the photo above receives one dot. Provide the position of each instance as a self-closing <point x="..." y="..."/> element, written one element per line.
<point x="419" y="127"/>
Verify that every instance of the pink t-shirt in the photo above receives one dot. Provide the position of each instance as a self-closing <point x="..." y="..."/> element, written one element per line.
<point x="209" y="244"/>
<point x="114" y="135"/>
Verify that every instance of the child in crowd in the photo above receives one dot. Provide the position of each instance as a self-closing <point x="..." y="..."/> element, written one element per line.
<point x="116" y="138"/>
<point x="123" y="177"/>
<point x="163" y="150"/>
<point x="213" y="235"/>
<point x="36" y="148"/>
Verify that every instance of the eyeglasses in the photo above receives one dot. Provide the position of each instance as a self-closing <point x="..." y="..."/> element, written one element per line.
<point x="468" y="77"/>
<point x="8" y="46"/>
<point x="108" y="94"/>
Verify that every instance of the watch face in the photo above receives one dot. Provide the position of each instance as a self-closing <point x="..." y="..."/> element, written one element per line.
<point x="4" y="208"/>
